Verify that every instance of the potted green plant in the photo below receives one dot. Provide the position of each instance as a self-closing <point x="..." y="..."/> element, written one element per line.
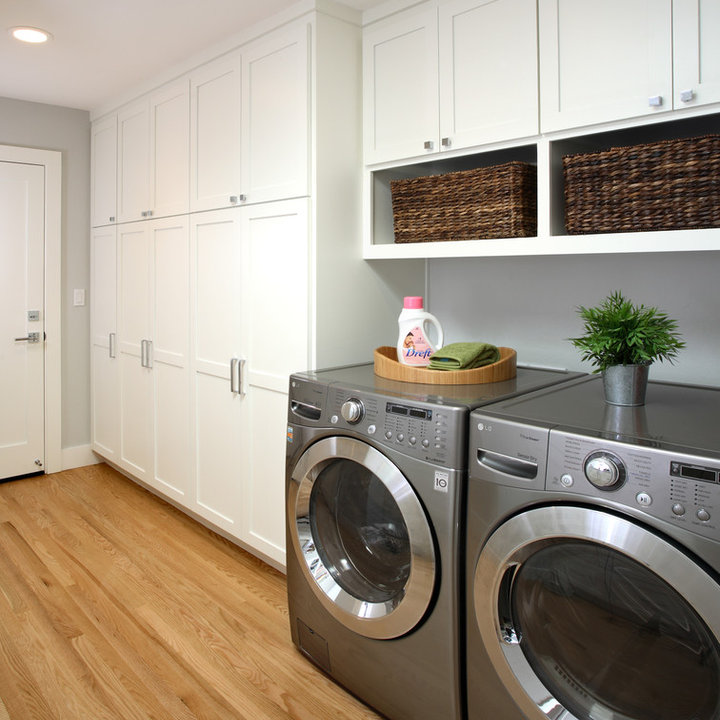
<point x="622" y="340"/>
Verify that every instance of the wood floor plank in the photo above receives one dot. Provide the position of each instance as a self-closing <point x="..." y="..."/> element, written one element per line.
<point x="115" y="604"/>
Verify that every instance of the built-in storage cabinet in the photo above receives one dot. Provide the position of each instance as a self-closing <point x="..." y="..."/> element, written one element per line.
<point x="696" y="52"/>
<point x="103" y="343"/>
<point x="220" y="437"/>
<point x="103" y="175"/>
<point x="277" y="306"/>
<point x="153" y="155"/>
<point x="450" y="75"/>
<point x="547" y="153"/>
<point x="603" y="61"/>
<point x="153" y="353"/>
<point x="488" y="71"/>
<point x="612" y="73"/>
<point x="400" y="90"/>
<point x="275" y="117"/>
<point x="211" y="325"/>
<point x="608" y="61"/>
<point x="215" y="139"/>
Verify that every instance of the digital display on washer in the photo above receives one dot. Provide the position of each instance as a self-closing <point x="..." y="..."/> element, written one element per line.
<point x="693" y="472"/>
<point x="408" y="411"/>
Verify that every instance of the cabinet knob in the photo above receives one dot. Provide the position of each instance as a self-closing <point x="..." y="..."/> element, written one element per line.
<point x="687" y="96"/>
<point x="111" y="218"/>
<point x="446" y="142"/>
<point x="655" y="101"/>
<point x="429" y="145"/>
<point x="235" y="199"/>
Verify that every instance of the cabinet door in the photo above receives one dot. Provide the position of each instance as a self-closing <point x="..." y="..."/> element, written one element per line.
<point x="400" y="86"/>
<point x="133" y="162"/>
<point x="276" y="335"/>
<point x="134" y="333"/>
<point x="103" y="173"/>
<point x="488" y="71"/>
<point x="602" y="61"/>
<point x="104" y="362"/>
<point x="696" y="28"/>
<point x="170" y="150"/>
<point x="215" y="133"/>
<point x="170" y="356"/>
<point x="219" y="436"/>
<point x="275" y="116"/>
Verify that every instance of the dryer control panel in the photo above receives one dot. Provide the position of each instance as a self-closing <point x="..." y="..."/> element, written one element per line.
<point x="679" y="488"/>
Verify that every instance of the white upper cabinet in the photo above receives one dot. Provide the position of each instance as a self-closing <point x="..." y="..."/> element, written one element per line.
<point x="104" y="171"/>
<point x="275" y="126"/>
<point x="450" y="75"/>
<point x="696" y="29"/>
<point x="488" y="71"/>
<point x="153" y="155"/>
<point x="604" y="61"/>
<point x="170" y="150"/>
<point x="400" y="86"/>
<point x="133" y="162"/>
<point x="215" y="138"/>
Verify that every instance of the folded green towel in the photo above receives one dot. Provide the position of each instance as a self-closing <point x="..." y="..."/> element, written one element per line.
<point x="464" y="356"/>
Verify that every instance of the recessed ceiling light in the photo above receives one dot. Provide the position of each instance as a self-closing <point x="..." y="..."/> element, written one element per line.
<point x="30" y="34"/>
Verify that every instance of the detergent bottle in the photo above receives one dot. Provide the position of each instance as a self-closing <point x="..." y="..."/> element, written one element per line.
<point x="414" y="345"/>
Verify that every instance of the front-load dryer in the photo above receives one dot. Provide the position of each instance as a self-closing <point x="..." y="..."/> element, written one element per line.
<point x="593" y="556"/>
<point x="376" y="473"/>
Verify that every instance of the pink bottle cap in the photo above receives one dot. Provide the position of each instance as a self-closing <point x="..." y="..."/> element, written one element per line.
<point x="413" y="302"/>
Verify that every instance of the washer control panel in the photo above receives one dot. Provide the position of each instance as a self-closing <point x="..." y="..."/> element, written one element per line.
<point x="424" y="430"/>
<point x="677" y="488"/>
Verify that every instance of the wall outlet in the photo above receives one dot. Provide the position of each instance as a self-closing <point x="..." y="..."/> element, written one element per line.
<point x="78" y="297"/>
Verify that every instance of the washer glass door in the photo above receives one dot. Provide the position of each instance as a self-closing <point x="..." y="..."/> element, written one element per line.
<point x="362" y="536"/>
<point x="601" y="619"/>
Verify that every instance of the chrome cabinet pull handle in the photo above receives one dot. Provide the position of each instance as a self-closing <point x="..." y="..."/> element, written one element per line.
<point x="111" y="345"/>
<point x="237" y="371"/>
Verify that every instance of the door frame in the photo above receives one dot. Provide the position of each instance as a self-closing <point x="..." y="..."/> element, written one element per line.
<point x="51" y="161"/>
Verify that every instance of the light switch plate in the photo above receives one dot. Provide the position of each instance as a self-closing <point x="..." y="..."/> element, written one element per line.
<point x="78" y="297"/>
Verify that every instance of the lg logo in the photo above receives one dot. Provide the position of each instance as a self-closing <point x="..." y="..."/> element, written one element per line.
<point x="442" y="481"/>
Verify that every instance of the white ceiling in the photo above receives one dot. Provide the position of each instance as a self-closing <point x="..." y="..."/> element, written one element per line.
<point x="103" y="48"/>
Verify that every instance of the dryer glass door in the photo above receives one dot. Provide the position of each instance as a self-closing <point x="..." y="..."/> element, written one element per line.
<point x="600" y="618"/>
<point x="363" y="538"/>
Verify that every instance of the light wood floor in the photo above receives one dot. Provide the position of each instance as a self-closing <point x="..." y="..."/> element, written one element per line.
<point x="113" y="604"/>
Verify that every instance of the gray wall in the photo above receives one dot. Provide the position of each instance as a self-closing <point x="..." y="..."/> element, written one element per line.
<point x="530" y="304"/>
<point x="49" y="127"/>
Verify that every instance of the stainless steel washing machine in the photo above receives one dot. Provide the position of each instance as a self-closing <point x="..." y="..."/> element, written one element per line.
<point x="376" y="474"/>
<point x="593" y="556"/>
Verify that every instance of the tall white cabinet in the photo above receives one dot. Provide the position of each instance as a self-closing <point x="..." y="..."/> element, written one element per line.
<point x="262" y="278"/>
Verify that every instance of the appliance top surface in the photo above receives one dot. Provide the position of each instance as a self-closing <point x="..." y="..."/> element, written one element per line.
<point x="685" y="417"/>
<point x="363" y="378"/>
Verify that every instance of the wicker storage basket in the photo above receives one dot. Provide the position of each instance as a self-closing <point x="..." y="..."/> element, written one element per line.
<point x="490" y="202"/>
<point x="666" y="185"/>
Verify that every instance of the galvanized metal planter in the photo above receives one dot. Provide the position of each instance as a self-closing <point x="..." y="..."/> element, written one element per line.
<point x="626" y="384"/>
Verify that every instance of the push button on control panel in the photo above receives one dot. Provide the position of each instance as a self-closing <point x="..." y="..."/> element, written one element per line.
<point x="702" y="514"/>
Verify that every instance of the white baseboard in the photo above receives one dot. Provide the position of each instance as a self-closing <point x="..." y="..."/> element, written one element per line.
<point x="79" y="456"/>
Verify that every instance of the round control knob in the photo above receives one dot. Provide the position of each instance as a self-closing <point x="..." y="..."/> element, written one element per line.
<point x="352" y="410"/>
<point x="604" y="470"/>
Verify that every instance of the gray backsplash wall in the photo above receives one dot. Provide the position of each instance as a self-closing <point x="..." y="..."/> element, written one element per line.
<point x="529" y="303"/>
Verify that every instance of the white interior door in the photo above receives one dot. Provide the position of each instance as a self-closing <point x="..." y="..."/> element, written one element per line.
<point x="22" y="229"/>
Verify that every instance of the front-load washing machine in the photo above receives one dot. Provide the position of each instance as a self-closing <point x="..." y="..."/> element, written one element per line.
<point x="593" y="556"/>
<point x="376" y="473"/>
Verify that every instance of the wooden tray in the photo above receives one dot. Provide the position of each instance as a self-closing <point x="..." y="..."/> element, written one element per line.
<point x="387" y="366"/>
